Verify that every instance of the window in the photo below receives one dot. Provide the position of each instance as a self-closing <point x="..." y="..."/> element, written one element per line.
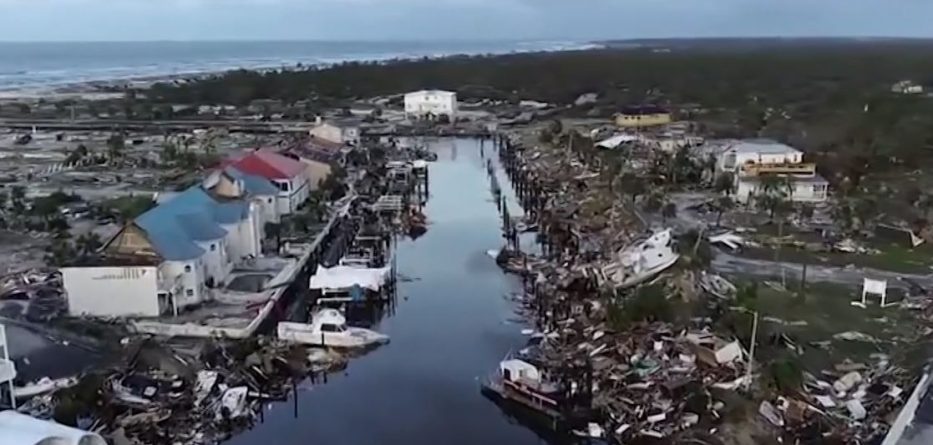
<point x="269" y="201"/>
<point x="187" y="268"/>
<point x="213" y="247"/>
<point x="189" y="292"/>
<point x="327" y="327"/>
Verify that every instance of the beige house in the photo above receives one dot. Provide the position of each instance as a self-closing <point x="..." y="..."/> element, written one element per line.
<point x="342" y="131"/>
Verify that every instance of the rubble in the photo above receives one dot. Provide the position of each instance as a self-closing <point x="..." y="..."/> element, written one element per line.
<point x="657" y="379"/>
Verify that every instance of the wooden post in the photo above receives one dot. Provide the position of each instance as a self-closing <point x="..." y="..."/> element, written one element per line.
<point x="751" y="352"/>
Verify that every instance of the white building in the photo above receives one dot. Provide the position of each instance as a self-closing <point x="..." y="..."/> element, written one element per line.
<point x="431" y="103"/>
<point x="811" y="189"/>
<point x="737" y="154"/>
<point x="751" y="160"/>
<point x="170" y="257"/>
<point x="906" y="87"/>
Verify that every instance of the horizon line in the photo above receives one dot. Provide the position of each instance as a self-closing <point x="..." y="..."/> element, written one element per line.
<point x="478" y="40"/>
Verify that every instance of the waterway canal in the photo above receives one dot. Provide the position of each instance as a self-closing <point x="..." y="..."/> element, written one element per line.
<point x="450" y="328"/>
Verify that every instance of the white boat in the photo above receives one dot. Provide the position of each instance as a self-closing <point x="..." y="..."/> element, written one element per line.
<point x="643" y="260"/>
<point x="328" y="327"/>
<point x="42" y="386"/>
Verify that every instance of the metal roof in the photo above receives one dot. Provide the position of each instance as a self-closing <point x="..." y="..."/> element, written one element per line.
<point x="255" y="185"/>
<point x="269" y="165"/>
<point x="193" y="215"/>
<point x="762" y="146"/>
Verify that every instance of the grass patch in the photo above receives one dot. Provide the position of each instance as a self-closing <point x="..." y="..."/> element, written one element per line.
<point x="892" y="258"/>
<point x="815" y="316"/>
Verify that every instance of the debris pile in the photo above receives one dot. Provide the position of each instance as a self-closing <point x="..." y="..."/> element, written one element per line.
<point x="197" y="396"/>
<point x="853" y="403"/>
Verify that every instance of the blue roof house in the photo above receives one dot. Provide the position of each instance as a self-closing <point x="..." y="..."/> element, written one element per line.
<point x="173" y="255"/>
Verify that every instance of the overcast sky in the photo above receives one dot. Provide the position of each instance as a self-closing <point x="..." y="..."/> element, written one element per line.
<point x="57" y="20"/>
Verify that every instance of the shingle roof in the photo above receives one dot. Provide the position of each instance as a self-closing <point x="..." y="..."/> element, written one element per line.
<point x="193" y="215"/>
<point x="269" y="165"/>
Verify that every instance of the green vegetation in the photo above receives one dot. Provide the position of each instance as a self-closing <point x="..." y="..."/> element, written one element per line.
<point x="126" y="208"/>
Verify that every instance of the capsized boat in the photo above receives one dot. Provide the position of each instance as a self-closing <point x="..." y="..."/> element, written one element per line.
<point x="642" y="260"/>
<point x="328" y="327"/>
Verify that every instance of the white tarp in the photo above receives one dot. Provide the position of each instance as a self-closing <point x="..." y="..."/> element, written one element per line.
<point x="345" y="277"/>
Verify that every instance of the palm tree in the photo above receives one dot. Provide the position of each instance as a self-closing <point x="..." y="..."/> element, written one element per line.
<point x="88" y="244"/>
<point x="724" y="184"/>
<point x="632" y="184"/>
<point x="669" y="211"/>
<point x="115" y="146"/>
<point x="722" y="205"/>
<point x="774" y="192"/>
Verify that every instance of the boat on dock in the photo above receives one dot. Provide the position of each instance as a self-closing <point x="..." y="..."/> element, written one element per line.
<point x="328" y="327"/>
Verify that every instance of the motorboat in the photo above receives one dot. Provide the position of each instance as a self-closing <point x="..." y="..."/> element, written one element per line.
<point x="642" y="260"/>
<point x="328" y="327"/>
<point x="522" y="382"/>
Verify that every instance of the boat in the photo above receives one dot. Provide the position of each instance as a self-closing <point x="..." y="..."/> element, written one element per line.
<point x="522" y="382"/>
<point x="642" y="260"/>
<point x="42" y="386"/>
<point x="328" y="327"/>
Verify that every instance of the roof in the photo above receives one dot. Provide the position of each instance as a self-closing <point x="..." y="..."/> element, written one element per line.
<point x="269" y="165"/>
<point x="616" y="140"/>
<point x="255" y="185"/>
<point x="643" y="109"/>
<point x="438" y="92"/>
<point x="175" y="226"/>
<point x="762" y="146"/>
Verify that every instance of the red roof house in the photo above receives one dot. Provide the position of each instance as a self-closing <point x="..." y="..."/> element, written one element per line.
<point x="269" y="165"/>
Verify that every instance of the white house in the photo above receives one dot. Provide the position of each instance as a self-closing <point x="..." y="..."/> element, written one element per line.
<point x="751" y="160"/>
<point x="799" y="189"/>
<point x="431" y="103"/>
<point x="737" y="154"/>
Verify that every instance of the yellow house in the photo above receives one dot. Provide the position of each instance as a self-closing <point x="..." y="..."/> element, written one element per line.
<point x="642" y="116"/>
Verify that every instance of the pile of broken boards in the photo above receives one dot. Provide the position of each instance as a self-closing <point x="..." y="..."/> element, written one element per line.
<point x="853" y="403"/>
<point x="192" y="394"/>
<point x="652" y="382"/>
<point x="35" y="295"/>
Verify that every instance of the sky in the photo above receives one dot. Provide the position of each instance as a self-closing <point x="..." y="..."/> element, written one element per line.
<point x="132" y="20"/>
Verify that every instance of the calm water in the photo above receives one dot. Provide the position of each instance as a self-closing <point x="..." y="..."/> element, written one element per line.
<point x="35" y="65"/>
<point x="451" y="327"/>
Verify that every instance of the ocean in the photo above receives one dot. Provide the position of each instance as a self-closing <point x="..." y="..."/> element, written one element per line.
<point x="42" y="65"/>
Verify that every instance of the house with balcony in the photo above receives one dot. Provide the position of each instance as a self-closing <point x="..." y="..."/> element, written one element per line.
<point x="750" y="161"/>
<point x="172" y="256"/>
<point x="431" y="104"/>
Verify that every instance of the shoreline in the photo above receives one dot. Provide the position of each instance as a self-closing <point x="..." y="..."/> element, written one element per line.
<point x="94" y="89"/>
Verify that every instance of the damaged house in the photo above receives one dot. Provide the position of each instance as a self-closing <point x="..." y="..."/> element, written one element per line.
<point x="174" y="255"/>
